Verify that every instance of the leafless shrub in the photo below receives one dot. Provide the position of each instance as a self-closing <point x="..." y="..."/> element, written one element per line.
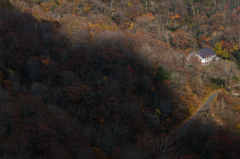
<point x="164" y="144"/>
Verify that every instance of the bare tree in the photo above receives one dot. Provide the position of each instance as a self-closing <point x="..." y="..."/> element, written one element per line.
<point x="164" y="144"/>
<point x="220" y="104"/>
<point x="145" y="137"/>
<point x="206" y="114"/>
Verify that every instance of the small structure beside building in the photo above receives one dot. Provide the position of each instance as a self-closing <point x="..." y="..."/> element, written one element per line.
<point x="235" y="91"/>
<point x="205" y="56"/>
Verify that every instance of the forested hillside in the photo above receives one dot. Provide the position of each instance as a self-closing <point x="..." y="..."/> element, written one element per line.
<point x="104" y="79"/>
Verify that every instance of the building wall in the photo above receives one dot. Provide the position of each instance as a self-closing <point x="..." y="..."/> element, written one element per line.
<point x="205" y="61"/>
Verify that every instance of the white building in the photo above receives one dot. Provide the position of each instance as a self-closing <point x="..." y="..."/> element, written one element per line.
<point x="205" y="55"/>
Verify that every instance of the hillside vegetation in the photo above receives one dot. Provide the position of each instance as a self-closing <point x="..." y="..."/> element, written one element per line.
<point x="110" y="79"/>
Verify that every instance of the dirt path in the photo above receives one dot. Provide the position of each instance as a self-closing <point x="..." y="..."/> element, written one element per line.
<point x="197" y="114"/>
<point x="181" y="128"/>
<point x="190" y="119"/>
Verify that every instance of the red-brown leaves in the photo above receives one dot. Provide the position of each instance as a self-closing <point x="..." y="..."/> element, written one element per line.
<point x="135" y="10"/>
<point x="216" y="20"/>
<point x="181" y="40"/>
<point x="130" y="69"/>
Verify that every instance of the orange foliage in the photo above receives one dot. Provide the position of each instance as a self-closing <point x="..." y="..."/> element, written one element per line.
<point x="46" y="61"/>
<point x="153" y="89"/>
<point x="150" y="14"/>
<point x="88" y="7"/>
<point x="45" y="7"/>
<point x="208" y="39"/>
<point x="176" y="16"/>
<point x="202" y="38"/>
<point x="237" y="9"/>
<point x="166" y="82"/>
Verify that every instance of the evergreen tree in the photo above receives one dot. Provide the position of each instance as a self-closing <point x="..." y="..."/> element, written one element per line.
<point x="162" y="74"/>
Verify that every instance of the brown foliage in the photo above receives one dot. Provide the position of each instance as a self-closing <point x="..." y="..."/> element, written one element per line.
<point x="224" y="97"/>
<point x="75" y="94"/>
<point x="181" y="40"/>
<point x="135" y="10"/>
<point x="203" y="40"/>
<point x="216" y="20"/>
<point x="104" y="80"/>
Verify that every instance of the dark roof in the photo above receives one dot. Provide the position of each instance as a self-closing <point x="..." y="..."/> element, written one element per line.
<point x="206" y="52"/>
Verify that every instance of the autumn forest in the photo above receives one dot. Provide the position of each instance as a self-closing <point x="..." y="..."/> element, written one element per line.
<point x="109" y="79"/>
